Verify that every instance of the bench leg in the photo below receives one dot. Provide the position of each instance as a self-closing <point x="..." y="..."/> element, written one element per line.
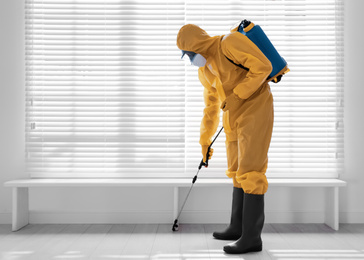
<point x="175" y="203"/>
<point x="20" y="216"/>
<point x="332" y="207"/>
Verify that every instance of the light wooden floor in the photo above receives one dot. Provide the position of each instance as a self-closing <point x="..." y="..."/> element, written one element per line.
<point x="191" y="242"/>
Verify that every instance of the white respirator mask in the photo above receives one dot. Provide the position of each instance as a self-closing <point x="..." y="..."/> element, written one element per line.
<point x="198" y="60"/>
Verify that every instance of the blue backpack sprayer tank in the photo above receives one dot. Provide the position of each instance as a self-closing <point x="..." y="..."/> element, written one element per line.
<point x="260" y="39"/>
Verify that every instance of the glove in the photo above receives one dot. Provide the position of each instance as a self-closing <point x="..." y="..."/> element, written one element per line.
<point x="232" y="101"/>
<point x="204" y="152"/>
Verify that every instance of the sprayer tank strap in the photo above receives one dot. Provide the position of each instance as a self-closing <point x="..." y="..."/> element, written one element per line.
<point x="239" y="65"/>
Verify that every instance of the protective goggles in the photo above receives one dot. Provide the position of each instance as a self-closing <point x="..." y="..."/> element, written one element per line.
<point x="190" y="54"/>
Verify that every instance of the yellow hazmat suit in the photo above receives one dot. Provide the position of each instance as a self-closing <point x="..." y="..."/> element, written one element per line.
<point x="245" y="97"/>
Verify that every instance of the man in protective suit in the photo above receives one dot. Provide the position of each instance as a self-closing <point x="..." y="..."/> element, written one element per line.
<point x="244" y="95"/>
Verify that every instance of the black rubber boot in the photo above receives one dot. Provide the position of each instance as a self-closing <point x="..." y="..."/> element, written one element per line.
<point x="253" y="222"/>
<point x="234" y="231"/>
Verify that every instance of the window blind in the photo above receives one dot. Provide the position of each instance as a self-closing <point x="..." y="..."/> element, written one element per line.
<point x="108" y="96"/>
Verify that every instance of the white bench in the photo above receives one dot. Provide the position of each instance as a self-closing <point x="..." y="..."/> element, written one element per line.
<point x="20" y="207"/>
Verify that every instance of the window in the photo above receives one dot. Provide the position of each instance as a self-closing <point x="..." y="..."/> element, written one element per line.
<point x="108" y="96"/>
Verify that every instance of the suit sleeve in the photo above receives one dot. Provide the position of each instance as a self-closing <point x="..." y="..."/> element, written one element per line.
<point x="241" y="50"/>
<point x="211" y="113"/>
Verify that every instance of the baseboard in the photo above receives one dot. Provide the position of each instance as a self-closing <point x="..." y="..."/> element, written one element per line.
<point x="5" y="218"/>
<point x="295" y="217"/>
<point x="165" y="217"/>
<point x="352" y="217"/>
<point x="121" y="217"/>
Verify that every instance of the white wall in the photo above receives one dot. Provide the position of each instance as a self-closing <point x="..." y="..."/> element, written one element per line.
<point x="11" y="99"/>
<point x="352" y="203"/>
<point x="114" y="205"/>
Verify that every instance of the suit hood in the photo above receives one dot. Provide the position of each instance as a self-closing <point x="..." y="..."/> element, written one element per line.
<point x="192" y="38"/>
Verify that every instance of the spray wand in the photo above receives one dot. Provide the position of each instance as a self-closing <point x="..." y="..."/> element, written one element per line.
<point x="202" y="163"/>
